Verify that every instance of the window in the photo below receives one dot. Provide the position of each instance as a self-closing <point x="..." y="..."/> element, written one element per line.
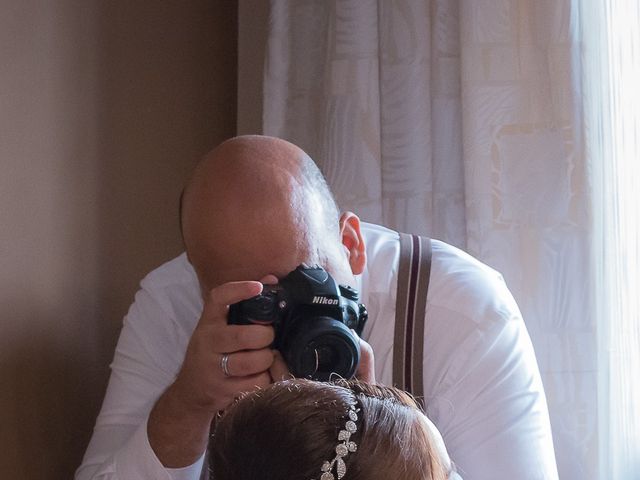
<point x="610" y="30"/>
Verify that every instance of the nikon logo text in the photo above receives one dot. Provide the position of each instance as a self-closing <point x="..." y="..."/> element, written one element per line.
<point x="324" y="301"/>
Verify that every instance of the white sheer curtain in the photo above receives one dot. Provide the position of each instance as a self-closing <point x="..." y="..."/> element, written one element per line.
<point x="464" y="120"/>
<point x="612" y="114"/>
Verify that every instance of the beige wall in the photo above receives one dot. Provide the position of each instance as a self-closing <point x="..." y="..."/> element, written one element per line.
<point x="253" y="21"/>
<point x="104" y="108"/>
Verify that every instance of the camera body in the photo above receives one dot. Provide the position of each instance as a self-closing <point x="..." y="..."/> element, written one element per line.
<point x="312" y="317"/>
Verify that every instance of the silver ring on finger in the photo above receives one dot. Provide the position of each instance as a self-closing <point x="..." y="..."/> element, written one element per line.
<point x="224" y="365"/>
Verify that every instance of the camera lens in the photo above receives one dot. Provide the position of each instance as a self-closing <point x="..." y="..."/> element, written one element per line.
<point x="322" y="348"/>
<point x="326" y="357"/>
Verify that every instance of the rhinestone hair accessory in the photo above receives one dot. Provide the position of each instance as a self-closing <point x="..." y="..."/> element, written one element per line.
<point x="343" y="448"/>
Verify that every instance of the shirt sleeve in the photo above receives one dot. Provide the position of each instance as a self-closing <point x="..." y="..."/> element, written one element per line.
<point x="146" y="361"/>
<point x="489" y="402"/>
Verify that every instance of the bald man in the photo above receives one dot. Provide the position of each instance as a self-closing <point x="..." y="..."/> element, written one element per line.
<point x="254" y="209"/>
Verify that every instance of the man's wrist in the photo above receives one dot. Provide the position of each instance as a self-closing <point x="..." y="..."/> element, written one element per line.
<point x="178" y="432"/>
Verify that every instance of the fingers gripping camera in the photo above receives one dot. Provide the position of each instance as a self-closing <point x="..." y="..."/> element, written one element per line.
<point x="312" y="317"/>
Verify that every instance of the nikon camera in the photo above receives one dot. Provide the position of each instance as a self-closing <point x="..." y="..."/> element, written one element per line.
<point x="312" y="317"/>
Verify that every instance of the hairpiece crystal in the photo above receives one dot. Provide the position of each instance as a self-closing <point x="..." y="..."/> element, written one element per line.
<point x="343" y="448"/>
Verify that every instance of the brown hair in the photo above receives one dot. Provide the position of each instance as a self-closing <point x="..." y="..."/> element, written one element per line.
<point x="291" y="428"/>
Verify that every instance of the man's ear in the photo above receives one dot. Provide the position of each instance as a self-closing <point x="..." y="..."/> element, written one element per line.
<point x="353" y="242"/>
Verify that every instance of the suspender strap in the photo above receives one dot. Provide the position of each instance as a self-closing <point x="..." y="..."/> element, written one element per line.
<point x="413" y="283"/>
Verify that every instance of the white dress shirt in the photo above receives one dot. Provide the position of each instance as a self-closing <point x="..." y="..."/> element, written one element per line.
<point x="481" y="380"/>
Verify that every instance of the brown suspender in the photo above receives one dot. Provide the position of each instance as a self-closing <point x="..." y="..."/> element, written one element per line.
<point x="413" y="283"/>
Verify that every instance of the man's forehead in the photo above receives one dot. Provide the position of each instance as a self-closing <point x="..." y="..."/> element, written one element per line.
<point x="241" y="274"/>
<point x="218" y="275"/>
<point x="237" y="266"/>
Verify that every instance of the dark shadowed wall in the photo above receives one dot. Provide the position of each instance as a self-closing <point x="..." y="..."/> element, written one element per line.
<point x="104" y="109"/>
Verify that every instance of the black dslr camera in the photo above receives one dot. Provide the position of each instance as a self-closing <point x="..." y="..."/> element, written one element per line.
<point x="312" y="317"/>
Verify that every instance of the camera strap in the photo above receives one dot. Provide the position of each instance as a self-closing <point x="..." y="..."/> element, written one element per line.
<point x="414" y="270"/>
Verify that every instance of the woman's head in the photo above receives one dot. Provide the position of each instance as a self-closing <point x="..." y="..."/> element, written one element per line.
<point x="291" y="429"/>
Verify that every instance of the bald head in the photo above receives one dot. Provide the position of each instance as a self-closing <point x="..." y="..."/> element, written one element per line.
<point x="258" y="205"/>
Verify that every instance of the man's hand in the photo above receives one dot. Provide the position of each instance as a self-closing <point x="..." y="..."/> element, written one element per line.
<point x="366" y="369"/>
<point x="279" y="370"/>
<point x="201" y="383"/>
<point x="179" y="423"/>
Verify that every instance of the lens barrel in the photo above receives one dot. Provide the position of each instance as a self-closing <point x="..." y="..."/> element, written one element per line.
<point x="321" y="349"/>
